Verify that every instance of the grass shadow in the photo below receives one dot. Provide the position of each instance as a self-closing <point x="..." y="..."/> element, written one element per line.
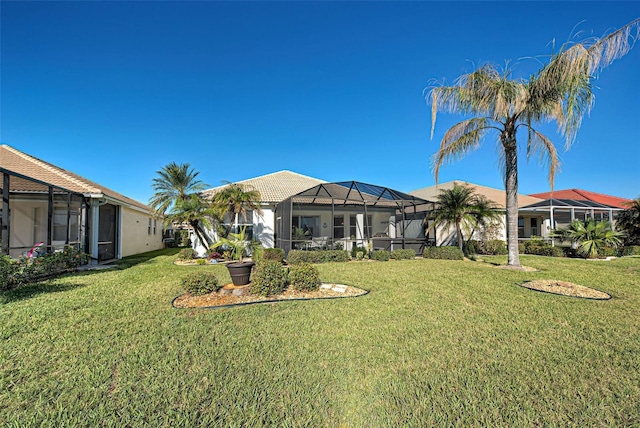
<point x="34" y="289"/>
<point x="130" y="261"/>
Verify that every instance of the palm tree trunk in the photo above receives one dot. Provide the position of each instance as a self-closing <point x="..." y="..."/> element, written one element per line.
<point x="511" y="188"/>
<point x="460" y="239"/>
<point x="200" y="234"/>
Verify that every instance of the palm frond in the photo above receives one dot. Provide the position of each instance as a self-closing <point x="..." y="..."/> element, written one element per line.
<point x="547" y="154"/>
<point x="459" y="140"/>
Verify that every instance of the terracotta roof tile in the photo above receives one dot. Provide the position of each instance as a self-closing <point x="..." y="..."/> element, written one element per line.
<point x="496" y="195"/>
<point x="584" y="195"/>
<point x="275" y="187"/>
<point x="27" y="165"/>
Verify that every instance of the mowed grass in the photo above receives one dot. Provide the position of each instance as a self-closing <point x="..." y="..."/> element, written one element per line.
<point x="435" y="343"/>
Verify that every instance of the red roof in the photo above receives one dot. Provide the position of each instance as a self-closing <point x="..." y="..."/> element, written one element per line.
<point x="584" y="195"/>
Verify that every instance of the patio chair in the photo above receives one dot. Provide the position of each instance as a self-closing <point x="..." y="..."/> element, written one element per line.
<point x="318" y="243"/>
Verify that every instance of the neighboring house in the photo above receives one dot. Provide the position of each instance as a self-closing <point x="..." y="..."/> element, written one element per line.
<point x="43" y="203"/>
<point x="561" y="207"/>
<point x="273" y="188"/>
<point x="328" y="215"/>
<point x="531" y="222"/>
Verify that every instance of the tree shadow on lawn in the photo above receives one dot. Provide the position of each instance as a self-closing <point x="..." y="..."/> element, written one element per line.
<point x="131" y="261"/>
<point x="27" y="291"/>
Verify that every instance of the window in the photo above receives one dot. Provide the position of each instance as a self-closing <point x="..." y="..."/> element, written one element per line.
<point x="149" y="227"/>
<point x="338" y="227"/>
<point x="520" y="227"/>
<point x="154" y="226"/>
<point x="310" y="225"/>
<point x="534" y="227"/>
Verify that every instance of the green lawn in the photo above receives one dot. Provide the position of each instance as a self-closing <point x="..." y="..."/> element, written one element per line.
<point x="435" y="343"/>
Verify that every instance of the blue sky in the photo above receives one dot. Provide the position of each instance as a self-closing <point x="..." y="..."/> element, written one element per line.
<point x="113" y="91"/>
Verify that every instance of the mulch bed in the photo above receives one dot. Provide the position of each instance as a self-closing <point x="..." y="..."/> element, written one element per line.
<point x="213" y="300"/>
<point x="565" y="288"/>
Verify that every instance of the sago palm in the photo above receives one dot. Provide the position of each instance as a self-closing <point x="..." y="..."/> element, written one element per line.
<point x="560" y="92"/>
<point x="174" y="183"/>
<point x="590" y="237"/>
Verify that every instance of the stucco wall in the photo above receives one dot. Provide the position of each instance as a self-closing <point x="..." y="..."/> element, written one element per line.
<point x="134" y="236"/>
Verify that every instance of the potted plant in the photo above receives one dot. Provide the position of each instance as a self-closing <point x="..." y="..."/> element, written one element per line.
<point x="239" y="247"/>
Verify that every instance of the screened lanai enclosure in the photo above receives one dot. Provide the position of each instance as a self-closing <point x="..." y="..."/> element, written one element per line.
<point x="37" y="214"/>
<point x="351" y="214"/>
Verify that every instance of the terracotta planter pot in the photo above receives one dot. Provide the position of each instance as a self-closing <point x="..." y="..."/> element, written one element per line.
<point x="240" y="272"/>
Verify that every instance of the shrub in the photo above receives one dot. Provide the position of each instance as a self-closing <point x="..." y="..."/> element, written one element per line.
<point x="201" y="262"/>
<point x="358" y="249"/>
<point x="521" y="248"/>
<point x="213" y="255"/>
<point x="275" y="254"/>
<point x="200" y="283"/>
<point x="407" y="254"/>
<point x="608" y="252"/>
<point x="304" y="277"/>
<point x="8" y="269"/>
<point x="186" y="254"/>
<point x="631" y="250"/>
<point x="443" y="253"/>
<point x="381" y="255"/>
<point x="540" y="248"/>
<point x="323" y="256"/>
<point x="269" y="278"/>
<point x="492" y="247"/>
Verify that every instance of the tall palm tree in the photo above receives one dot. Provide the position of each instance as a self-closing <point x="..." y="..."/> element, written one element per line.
<point x="560" y="91"/>
<point x="629" y="221"/>
<point x="236" y="200"/>
<point x="461" y="207"/>
<point x="175" y="183"/>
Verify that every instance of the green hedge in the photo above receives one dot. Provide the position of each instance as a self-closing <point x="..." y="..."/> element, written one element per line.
<point x="407" y="254"/>
<point x="443" y="253"/>
<point x="494" y="247"/>
<point x="199" y="283"/>
<point x="323" y="256"/>
<point x="381" y="255"/>
<point x="540" y="248"/>
<point x="269" y="278"/>
<point x="275" y="254"/>
<point x="631" y="250"/>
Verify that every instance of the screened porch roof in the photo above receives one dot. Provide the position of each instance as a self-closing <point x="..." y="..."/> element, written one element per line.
<point x="354" y="192"/>
<point x="548" y="204"/>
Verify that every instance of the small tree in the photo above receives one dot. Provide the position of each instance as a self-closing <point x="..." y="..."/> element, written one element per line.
<point x="461" y="207"/>
<point x="235" y="200"/>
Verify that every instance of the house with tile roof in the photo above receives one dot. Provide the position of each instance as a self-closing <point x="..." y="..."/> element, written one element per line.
<point x="274" y="188"/>
<point x="43" y="203"/>
<point x="529" y="224"/>
<point x="584" y="195"/>
<point x="329" y="214"/>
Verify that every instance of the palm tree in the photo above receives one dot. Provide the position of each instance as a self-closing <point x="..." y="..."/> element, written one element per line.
<point x="590" y="236"/>
<point x="462" y="207"/>
<point x="175" y="183"/>
<point x="560" y="91"/>
<point x="236" y="199"/>
<point x="197" y="213"/>
<point x="629" y="221"/>
<point x="485" y="213"/>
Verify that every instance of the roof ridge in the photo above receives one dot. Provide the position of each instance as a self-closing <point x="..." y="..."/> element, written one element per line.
<point x="54" y="169"/>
